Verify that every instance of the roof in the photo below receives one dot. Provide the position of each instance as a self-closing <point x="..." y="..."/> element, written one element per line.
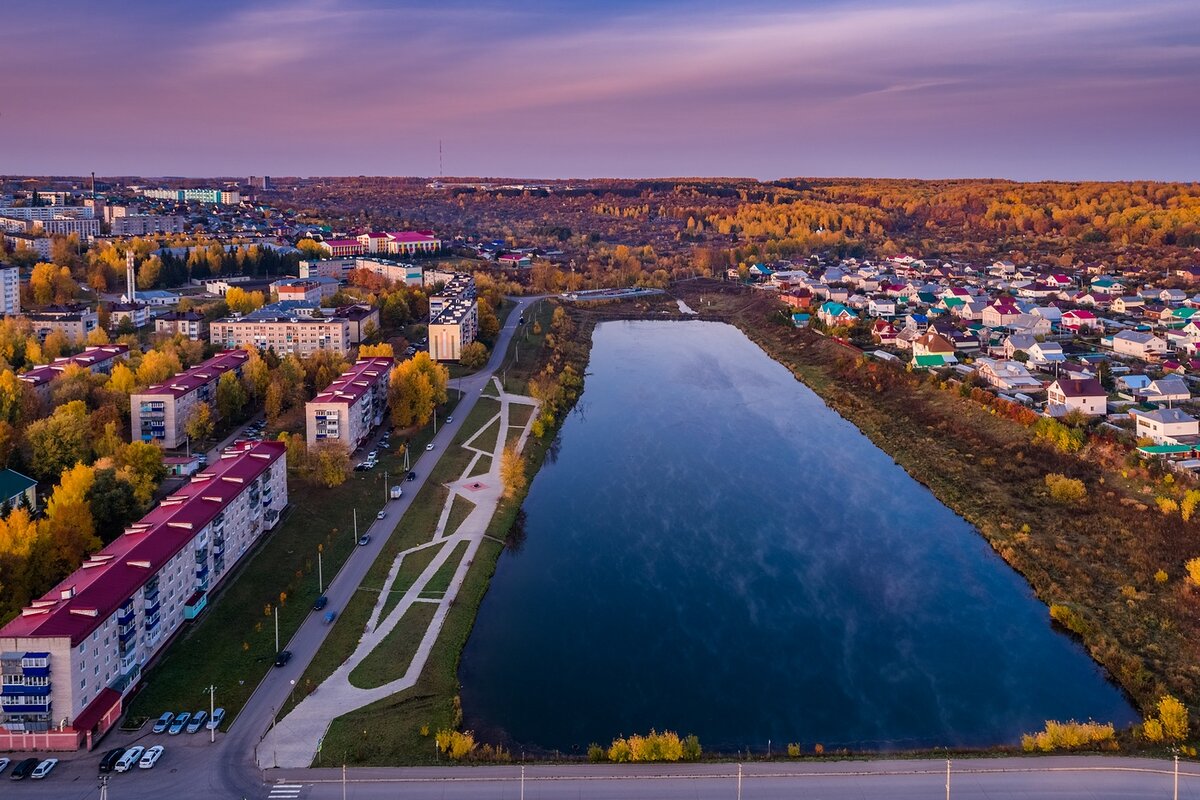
<point x="1170" y="416"/>
<point x="112" y="575"/>
<point x="1165" y="449"/>
<point x="412" y="236"/>
<point x="89" y="359"/>
<point x="354" y="382"/>
<point x="1080" y="387"/>
<point x="192" y="379"/>
<point x="12" y="483"/>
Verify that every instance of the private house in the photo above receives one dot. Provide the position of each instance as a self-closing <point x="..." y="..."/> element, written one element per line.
<point x="1076" y="320"/>
<point x="1128" y="304"/>
<point x="1007" y="376"/>
<point x="1172" y="297"/>
<point x="799" y="298"/>
<point x="1138" y="345"/>
<point x="1169" y="389"/>
<point x="1043" y="353"/>
<point x="884" y="333"/>
<point x="1000" y="312"/>
<point x="1109" y="286"/>
<point x="1066" y="395"/>
<point x="835" y="314"/>
<point x="1018" y="343"/>
<point x="1030" y="324"/>
<point x="1167" y="426"/>
<point x="932" y="343"/>
<point x="881" y="307"/>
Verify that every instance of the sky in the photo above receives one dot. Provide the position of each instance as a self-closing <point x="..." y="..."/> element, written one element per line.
<point x="1075" y="90"/>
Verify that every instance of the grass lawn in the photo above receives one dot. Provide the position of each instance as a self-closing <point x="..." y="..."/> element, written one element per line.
<point x="232" y="645"/>
<point x="410" y="569"/>
<point x="516" y="371"/>
<point x="440" y="581"/>
<point x="519" y="414"/>
<point x="394" y="724"/>
<point x="389" y="661"/>
<point x="482" y="466"/>
<point x="485" y="408"/>
<point x="460" y="507"/>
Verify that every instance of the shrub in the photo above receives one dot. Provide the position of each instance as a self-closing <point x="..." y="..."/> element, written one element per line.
<point x="1174" y="717"/>
<point x="455" y="744"/>
<point x="1068" y="736"/>
<point x="1152" y="729"/>
<point x="1188" y="507"/>
<point x="1069" y="618"/>
<point x="1160" y="576"/>
<point x="654" y="746"/>
<point x="1193" y="570"/>
<point x="691" y="748"/>
<point x="595" y="753"/>
<point x="793" y="750"/>
<point x="1167" y="505"/>
<point x="1065" y="490"/>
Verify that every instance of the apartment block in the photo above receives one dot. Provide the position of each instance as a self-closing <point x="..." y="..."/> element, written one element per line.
<point x="99" y="360"/>
<point x="190" y="324"/>
<point x="159" y="413"/>
<point x="453" y="318"/>
<point x="284" y="334"/>
<point x="70" y="659"/>
<point x="136" y="314"/>
<point x="10" y="291"/>
<point x="144" y="224"/>
<point x="75" y="321"/>
<point x="311" y="290"/>
<point x="350" y="407"/>
<point x="363" y="319"/>
<point x="220" y="197"/>
<point x="340" y="269"/>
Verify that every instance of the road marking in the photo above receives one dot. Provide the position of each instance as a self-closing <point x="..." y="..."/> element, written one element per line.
<point x="285" y="791"/>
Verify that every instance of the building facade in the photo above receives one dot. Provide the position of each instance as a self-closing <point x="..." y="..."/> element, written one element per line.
<point x="283" y="334"/>
<point x="98" y="360"/>
<point x="340" y="269"/>
<point x="10" y="291"/>
<point x="219" y="197"/>
<point x="190" y="324"/>
<point x="75" y="321"/>
<point x="144" y="224"/>
<point x="349" y="408"/>
<point x="453" y="318"/>
<point x="72" y="657"/>
<point x="159" y="413"/>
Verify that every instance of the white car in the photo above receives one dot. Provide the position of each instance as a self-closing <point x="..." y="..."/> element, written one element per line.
<point x="151" y="757"/>
<point x="4" y="762"/>
<point x="380" y="515"/>
<point x="449" y="420"/>
<point x="130" y="758"/>
<point x="429" y="446"/>
<point x="218" y="716"/>
<point x="43" y="769"/>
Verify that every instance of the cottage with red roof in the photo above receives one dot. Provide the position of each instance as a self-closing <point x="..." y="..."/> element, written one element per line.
<point x="72" y="657"/>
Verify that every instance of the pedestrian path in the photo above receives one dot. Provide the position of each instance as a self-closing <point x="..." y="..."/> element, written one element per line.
<point x="294" y="739"/>
<point x="285" y="791"/>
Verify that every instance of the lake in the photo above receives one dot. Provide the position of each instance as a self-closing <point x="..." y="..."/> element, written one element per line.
<point x="714" y="551"/>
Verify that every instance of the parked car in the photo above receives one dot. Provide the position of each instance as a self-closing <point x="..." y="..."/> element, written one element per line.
<point x="197" y="721"/>
<point x="282" y="658"/>
<point x="449" y="420"/>
<point x="380" y="515"/>
<point x="110" y="759"/>
<point x="361" y="466"/>
<point x="151" y="757"/>
<point x="126" y="762"/>
<point x="218" y="716"/>
<point x="179" y="723"/>
<point x="22" y="769"/>
<point x="4" y="762"/>
<point x="429" y="446"/>
<point x="164" y="721"/>
<point x="412" y="476"/>
<point x="43" y="769"/>
<point x="330" y="616"/>
<point x="364" y="540"/>
<point x="322" y="601"/>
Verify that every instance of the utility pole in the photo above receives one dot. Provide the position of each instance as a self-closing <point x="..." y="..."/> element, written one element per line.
<point x="523" y="780"/>
<point x="356" y="525"/>
<point x="435" y="422"/>
<point x="212" y="703"/>
<point x="947" y="779"/>
<point x="103" y="787"/>
<point x="385" y="486"/>
<point x="320" y="571"/>
<point x="276" y="630"/>
<point x="1177" y="776"/>
<point x="343" y="782"/>
<point x="739" y="796"/>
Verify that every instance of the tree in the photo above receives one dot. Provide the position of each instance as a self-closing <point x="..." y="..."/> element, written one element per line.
<point x="97" y="336"/>
<point x="1174" y="717"/>
<point x="17" y="533"/>
<point x="383" y="349"/>
<point x="149" y="273"/>
<point x="310" y="249"/>
<point x="113" y="504"/>
<point x="122" y="379"/>
<point x="256" y="376"/>
<point x="329" y="462"/>
<point x="8" y="443"/>
<point x="474" y="355"/>
<point x="199" y="425"/>
<point x="50" y="283"/>
<point x="1065" y="490"/>
<point x="73" y="383"/>
<point x="512" y="472"/>
<point x="59" y="441"/>
<point x="411" y="397"/>
<point x="489" y="323"/>
<point x="231" y="397"/>
<point x="141" y="465"/>
<point x="156" y="366"/>
<point x="17" y="401"/>
<point x="243" y="302"/>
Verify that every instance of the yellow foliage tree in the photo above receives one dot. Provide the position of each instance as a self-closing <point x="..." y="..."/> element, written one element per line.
<point x="1065" y="490"/>
<point x="383" y="349"/>
<point x="17" y="533"/>
<point x="512" y="471"/>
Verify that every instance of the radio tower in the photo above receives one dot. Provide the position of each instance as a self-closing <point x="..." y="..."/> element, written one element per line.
<point x="441" y="172"/>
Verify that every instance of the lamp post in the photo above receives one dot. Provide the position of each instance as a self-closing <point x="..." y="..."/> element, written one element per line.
<point x="276" y="630"/>
<point x="320" y="569"/>
<point x="212" y="730"/>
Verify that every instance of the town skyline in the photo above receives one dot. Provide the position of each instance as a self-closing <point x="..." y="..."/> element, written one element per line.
<point x="562" y="90"/>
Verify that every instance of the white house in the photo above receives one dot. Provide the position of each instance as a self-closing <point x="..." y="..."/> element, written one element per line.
<point x="1042" y="353"/>
<point x="1007" y="375"/>
<point x="1138" y="344"/>
<point x="1066" y="395"/>
<point x="1167" y="426"/>
<point x="1171" y="389"/>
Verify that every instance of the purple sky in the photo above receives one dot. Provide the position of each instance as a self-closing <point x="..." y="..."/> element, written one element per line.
<point x="1026" y="90"/>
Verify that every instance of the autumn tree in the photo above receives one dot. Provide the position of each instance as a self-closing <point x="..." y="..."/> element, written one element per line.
<point x="199" y="425"/>
<point x="512" y="472"/>
<point x="311" y="249"/>
<point x="156" y="366"/>
<point x="59" y="441"/>
<point x="383" y="349"/>
<point x="140" y="464"/>
<point x="242" y="302"/>
<point x="149" y="273"/>
<point x="231" y="397"/>
<point x="113" y="504"/>
<point x="329" y="463"/>
<point x="17" y="533"/>
<point x="474" y="355"/>
<point x="50" y="283"/>
<point x="489" y="323"/>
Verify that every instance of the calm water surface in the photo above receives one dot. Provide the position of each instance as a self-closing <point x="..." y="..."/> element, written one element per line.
<point x="715" y="551"/>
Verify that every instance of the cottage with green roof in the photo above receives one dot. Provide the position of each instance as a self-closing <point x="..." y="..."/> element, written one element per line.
<point x="17" y="490"/>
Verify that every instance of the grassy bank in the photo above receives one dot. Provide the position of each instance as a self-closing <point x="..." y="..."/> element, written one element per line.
<point x="1099" y="558"/>
<point x="232" y="645"/>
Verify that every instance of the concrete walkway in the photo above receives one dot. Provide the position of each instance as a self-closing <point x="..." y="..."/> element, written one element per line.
<point x="294" y="740"/>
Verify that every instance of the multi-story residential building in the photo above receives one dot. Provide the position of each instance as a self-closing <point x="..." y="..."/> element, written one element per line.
<point x="363" y="319"/>
<point x="384" y="243"/>
<point x="266" y="329"/>
<point x="98" y="360"/>
<point x="135" y="314"/>
<point x="23" y="241"/>
<point x="187" y="323"/>
<point x="143" y="224"/>
<point x="312" y="290"/>
<point x="84" y="227"/>
<point x="72" y="657"/>
<point x="46" y="212"/>
<point x="349" y="408"/>
<point x="340" y="248"/>
<point x="10" y="291"/>
<point x="219" y="197"/>
<point x="453" y="318"/>
<point x="75" y="321"/>
<point x="340" y="268"/>
<point x="159" y="413"/>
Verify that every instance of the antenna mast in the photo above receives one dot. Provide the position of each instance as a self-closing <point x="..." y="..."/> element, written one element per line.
<point x="441" y="172"/>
